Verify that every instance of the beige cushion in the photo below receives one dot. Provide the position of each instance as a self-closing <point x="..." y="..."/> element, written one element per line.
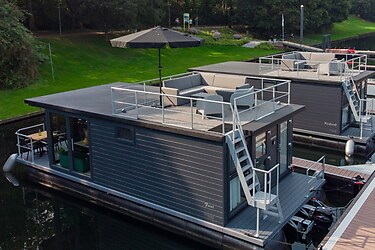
<point x="207" y="78"/>
<point x="322" y="57"/>
<point x="228" y="81"/>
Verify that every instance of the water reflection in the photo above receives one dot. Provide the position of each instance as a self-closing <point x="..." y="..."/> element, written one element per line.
<point x="38" y="218"/>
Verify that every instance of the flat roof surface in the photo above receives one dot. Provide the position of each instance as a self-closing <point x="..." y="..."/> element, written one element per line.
<point x="97" y="102"/>
<point x="254" y="69"/>
<point x="356" y="228"/>
<point x="95" y="99"/>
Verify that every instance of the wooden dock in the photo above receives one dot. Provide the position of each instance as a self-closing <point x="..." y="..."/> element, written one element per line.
<point x="355" y="229"/>
<point x="301" y="46"/>
<point x="329" y="170"/>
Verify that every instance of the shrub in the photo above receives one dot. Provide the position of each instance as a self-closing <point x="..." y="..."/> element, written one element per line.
<point x="18" y="56"/>
<point x="193" y="31"/>
<point x="216" y="35"/>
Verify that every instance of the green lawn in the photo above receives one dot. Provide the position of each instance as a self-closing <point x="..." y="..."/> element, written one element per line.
<point x="83" y="61"/>
<point x="352" y="27"/>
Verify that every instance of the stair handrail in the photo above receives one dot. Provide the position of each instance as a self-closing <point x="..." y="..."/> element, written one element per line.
<point x="268" y="188"/>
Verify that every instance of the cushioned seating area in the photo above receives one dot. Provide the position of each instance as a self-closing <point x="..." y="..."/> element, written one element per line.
<point x="201" y="82"/>
<point x="298" y="60"/>
<point x="245" y="97"/>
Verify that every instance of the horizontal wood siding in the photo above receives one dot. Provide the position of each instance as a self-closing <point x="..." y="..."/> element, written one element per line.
<point x="323" y="107"/>
<point x="178" y="172"/>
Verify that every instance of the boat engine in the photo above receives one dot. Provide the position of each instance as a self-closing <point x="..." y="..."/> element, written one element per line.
<point x="322" y="214"/>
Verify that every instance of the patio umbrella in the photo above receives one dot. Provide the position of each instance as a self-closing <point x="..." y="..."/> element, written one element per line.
<point x="158" y="38"/>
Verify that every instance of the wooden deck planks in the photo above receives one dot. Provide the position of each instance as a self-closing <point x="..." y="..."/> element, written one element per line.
<point x="356" y="230"/>
<point x="292" y="198"/>
<point x="328" y="169"/>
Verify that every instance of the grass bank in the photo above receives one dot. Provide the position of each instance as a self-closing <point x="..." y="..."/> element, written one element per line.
<point x="83" y="61"/>
<point x="352" y="27"/>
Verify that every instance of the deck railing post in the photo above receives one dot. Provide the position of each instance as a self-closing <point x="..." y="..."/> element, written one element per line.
<point x="222" y="117"/>
<point x="270" y="185"/>
<point x="18" y="145"/>
<point x="274" y="99"/>
<point x="136" y="103"/>
<point x="288" y="92"/>
<point x="32" y="150"/>
<point x="265" y="187"/>
<point x="277" y="179"/>
<point x="113" y="102"/>
<point x="191" y="113"/>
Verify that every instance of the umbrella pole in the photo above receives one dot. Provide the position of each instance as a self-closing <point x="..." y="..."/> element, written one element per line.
<point x="160" y="67"/>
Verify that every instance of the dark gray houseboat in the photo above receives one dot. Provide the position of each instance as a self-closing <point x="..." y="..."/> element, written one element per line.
<point x="331" y="86"/>
<point x="209" y="157"/>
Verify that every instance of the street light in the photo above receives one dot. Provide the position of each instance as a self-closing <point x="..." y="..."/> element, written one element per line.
<point x="301" y="24"/>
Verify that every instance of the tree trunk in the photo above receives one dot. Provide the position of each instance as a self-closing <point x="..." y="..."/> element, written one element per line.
<point x="30" y="19"/>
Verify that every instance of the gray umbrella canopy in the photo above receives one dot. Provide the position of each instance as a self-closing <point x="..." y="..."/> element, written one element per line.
<point x="157" y="38"/>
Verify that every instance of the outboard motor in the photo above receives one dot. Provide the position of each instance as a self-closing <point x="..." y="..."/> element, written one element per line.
<point x="322" y="215"/>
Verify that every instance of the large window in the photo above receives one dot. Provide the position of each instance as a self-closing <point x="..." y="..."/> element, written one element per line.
<point x="70" y="143"/>
<point x="59" y="140"/>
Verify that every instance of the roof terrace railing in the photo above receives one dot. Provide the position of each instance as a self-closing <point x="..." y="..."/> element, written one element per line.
<point x="142" y="102"/>
<point x="342" y="66"/>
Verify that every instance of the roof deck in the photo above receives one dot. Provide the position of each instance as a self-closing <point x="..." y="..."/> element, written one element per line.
<point x="142" y="102"/>
<point x="322" y="67"/>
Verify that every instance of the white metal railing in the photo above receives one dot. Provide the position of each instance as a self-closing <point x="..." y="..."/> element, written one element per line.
<point x="267" y="175"/>
<point x="351" y="62"/>
<point x="128" y="102"/>
<point x="318" y="171"/>
<point x="24" y="141"/>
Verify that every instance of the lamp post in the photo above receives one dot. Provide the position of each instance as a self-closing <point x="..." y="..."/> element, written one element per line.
<point x="58" y="7"/>
<point x="169" y="14"/>
<point x="301" y="24"/>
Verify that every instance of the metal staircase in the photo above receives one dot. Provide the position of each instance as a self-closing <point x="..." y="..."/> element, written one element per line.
<point x="356" y="104"/>
<point x="256" y="196"/>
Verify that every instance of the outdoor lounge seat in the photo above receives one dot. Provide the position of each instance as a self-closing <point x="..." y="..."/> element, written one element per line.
<point x="245" y="97"/>
<point x="205" y="107"/>
<point x="332" y="68"/>
<point x="210" y="83"/>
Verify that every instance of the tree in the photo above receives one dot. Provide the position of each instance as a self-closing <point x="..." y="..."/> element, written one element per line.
<point x="18" y="57"/>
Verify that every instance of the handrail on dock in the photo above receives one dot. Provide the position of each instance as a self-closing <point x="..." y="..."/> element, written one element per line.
<point x="317" y="173"/>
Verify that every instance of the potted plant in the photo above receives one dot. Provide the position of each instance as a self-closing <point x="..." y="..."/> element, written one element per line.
<point x="63" y="156"/>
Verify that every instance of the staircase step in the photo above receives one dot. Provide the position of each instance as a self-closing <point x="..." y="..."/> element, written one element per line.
<point x="248" y="177"/>
<point x="237" y="139"/>
<point x="246" y="167"/>
<point x="239" y="149"/>
<point x="250" y="186"/>
<point x="243" y="158"/>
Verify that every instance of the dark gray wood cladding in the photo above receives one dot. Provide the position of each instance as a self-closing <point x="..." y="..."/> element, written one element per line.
<point x="322" y="107"/>
<point x="178" y="172"/>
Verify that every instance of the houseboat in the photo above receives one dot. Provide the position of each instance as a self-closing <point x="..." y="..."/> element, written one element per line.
<point x="208" y="157"/>
<point x="331" y="86"/>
